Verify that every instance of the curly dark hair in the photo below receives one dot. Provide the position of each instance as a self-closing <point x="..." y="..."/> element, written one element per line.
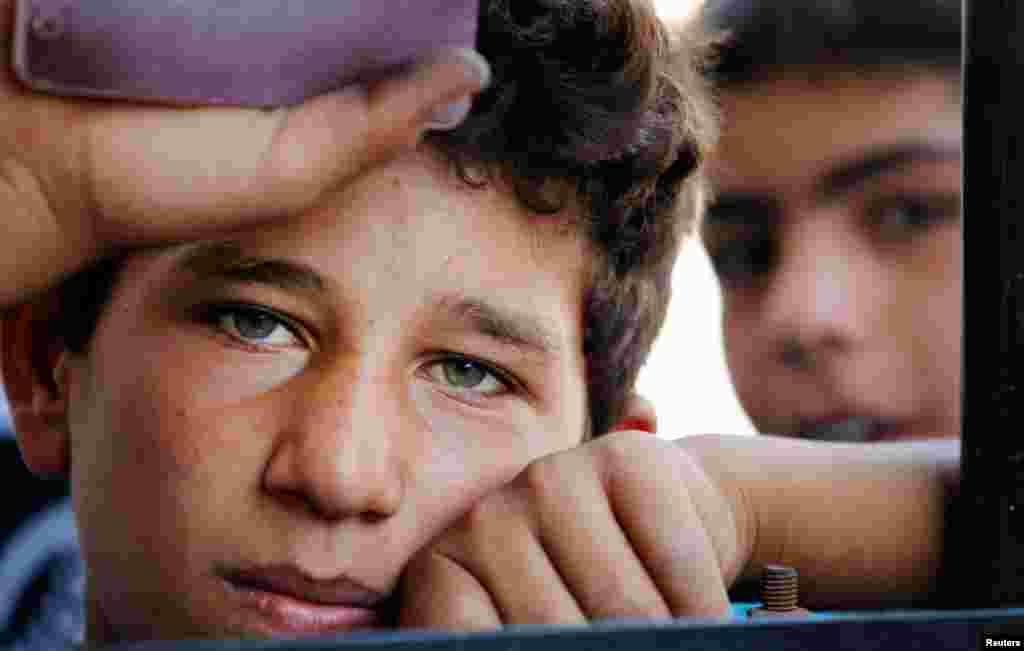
<point x="762" y="40"/>
<point x="621" y="137"/>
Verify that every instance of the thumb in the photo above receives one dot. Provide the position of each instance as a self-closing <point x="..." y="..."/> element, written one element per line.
<point x="315" y="149"/>
<point x="160" y="174"/>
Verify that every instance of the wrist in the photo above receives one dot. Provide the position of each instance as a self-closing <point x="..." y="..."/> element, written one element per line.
<point x="726" y="501"/>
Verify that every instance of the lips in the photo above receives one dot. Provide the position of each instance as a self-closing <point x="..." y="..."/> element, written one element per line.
<point x="289" y="602"/>
<point x="849" y="429"/>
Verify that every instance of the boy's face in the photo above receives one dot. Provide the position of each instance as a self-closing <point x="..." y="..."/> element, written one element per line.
<point x="836" y="238"/>
<point x="323" y="396"/>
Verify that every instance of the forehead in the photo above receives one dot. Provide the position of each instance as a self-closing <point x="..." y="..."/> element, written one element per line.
<point x="414" y="224"/>
<point x="780" y="135"/>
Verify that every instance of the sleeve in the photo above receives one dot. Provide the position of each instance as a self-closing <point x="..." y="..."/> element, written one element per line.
<point x="42" y="582"/>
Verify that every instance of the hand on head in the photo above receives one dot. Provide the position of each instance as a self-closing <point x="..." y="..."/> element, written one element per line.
<point x="79" y="178"/>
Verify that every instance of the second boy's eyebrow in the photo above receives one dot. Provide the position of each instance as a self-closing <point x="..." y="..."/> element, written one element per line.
<point x="849" y="174"/>
<point x="741" y="208"/>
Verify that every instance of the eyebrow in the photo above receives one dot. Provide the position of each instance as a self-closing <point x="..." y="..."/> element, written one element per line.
<point x="847" y="176"/>
<point x="226" y="260"/>
<point x="525" y="332"/>
<point x="742" y="208"/>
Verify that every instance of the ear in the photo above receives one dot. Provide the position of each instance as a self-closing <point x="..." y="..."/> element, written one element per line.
<point x="638" y="415"/>
<point x="34" y="370"/>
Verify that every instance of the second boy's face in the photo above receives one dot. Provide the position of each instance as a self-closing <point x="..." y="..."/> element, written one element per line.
<point x="316" y="399"/>
<point x="836" y="238"/>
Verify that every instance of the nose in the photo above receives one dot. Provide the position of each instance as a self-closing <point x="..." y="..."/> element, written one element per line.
<point x="339" y="455"/>
<point x="826" y="292"/>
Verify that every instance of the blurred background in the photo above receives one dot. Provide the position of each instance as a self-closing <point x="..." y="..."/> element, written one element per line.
<point x="686" y="376"/>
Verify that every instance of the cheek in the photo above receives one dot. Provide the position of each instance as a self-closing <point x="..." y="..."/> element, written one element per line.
<point x="943" y="310"/>
<point x="473" y="453"/>
<point x="931" y="323"/>
<point x="741" y="341"/>
<point x="470" y="450"/>
<point x="201" y="369"/>
<point x="177" y="424"/>
<point x="165" y="463"/>
<point x="751" y="362"/>
<point x="152" y="471"/>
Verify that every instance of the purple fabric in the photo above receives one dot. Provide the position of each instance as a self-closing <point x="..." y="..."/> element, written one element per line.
<point x="239" y="52"/>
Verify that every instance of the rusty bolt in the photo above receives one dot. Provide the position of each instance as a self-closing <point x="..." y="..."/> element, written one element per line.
<point x="779" y="593"/>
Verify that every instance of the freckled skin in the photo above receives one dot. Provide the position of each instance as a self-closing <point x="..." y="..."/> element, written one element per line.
<point x="188" y="451"/>
<point x="881" y="317"/>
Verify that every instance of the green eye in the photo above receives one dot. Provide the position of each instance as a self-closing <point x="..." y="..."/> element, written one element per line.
<point x="467" y="375"/>
<point x="463" y="373"/>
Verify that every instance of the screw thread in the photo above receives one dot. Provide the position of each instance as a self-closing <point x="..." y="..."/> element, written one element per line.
<point x="779" y="588"/>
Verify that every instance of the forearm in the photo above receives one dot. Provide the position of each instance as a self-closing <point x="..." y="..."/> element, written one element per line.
<point x="863" y="524"/>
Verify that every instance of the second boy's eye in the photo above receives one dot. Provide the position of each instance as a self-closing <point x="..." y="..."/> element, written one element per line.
<point x="905" y="218"/>
<point x="739" y="260"/>
<point x="466" y="375"/>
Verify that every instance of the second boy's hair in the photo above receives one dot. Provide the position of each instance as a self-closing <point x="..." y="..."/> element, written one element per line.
<point x="582" y="112"/>
<point x="764" y="39"/>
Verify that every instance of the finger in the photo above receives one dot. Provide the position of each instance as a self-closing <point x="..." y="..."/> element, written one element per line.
<point x="497" y="542"/>
<point x="315" y="148"/>
<point x="157" y="173"/>
<point x="437" y="592"/>
<point x="594" y="555"/>
<point x="652" y="501"/>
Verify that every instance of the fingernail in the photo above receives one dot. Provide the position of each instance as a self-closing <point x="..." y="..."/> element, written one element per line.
<point x="477" y="63"/>
<point x="449" y="116"/>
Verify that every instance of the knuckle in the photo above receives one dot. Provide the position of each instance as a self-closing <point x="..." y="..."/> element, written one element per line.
<point x="542" y="476"/>
<point x="548" y="480"/>
<point x="625" y="450"/>
<point x="482" y="515"/>
<point x="286" y="161"/>
<point x="318" y="143"/>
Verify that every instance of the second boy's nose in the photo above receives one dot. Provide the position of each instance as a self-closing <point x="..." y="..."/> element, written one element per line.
<point x="340" y="453"/>
<point x="823" y="295"/>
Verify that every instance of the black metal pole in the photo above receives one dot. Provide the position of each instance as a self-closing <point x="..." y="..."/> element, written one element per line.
<point x="991" y="530"/>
